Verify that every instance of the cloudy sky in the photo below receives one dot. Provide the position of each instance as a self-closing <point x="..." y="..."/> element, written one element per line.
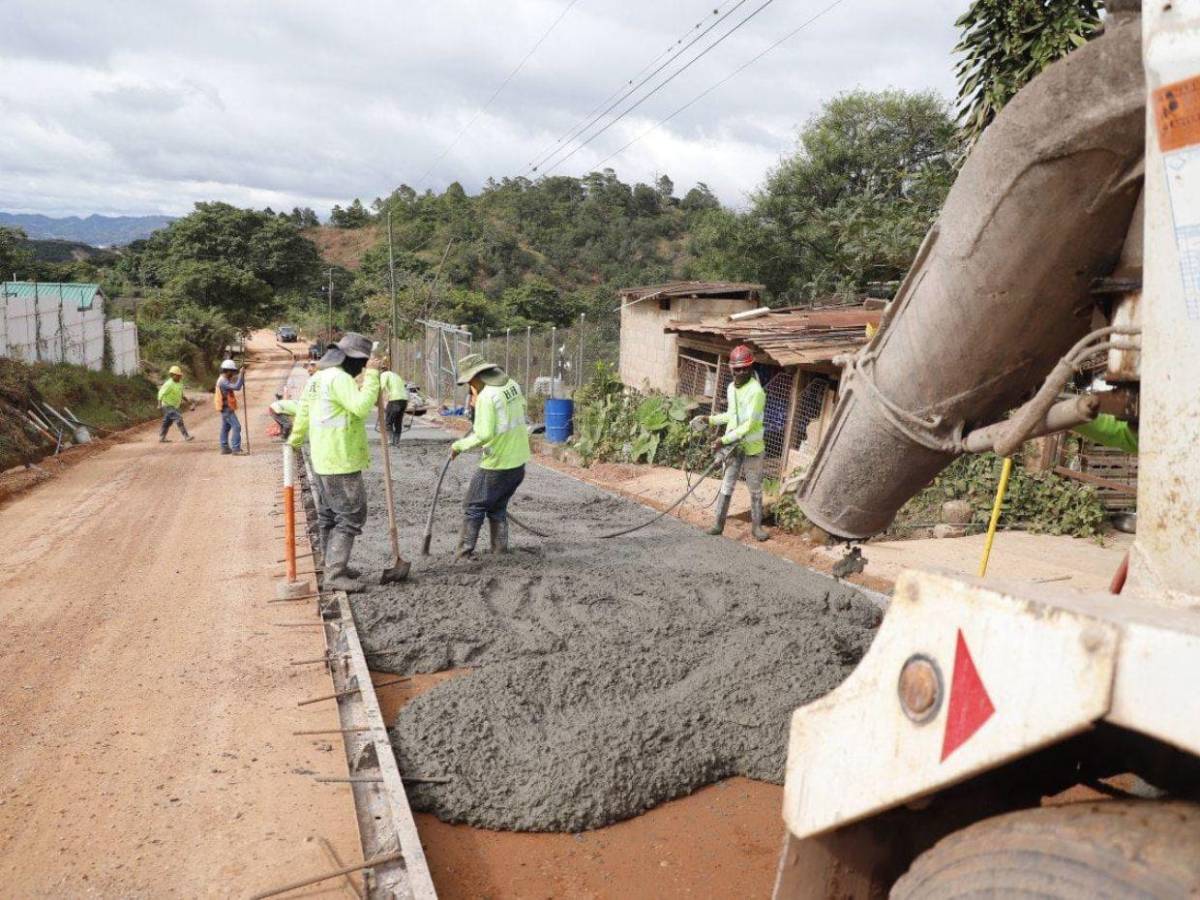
<point x="146" y="106"/>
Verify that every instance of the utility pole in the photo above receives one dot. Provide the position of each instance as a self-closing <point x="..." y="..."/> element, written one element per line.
<point x="329" y="337"/>
<point x="392" y="276"/>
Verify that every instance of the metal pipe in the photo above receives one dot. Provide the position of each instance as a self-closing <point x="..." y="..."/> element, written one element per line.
<point x="1061" y="416"/>
<point x="304" y="882"/>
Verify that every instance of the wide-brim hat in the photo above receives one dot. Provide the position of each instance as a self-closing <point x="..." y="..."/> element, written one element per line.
<point x="474" y="364"/>
<point x="352" y="344"/>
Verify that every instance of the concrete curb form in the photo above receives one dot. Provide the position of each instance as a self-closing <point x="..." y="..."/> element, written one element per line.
<point x="385" y="820"/>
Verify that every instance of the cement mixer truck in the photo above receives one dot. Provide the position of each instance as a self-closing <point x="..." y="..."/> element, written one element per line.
<point x="1012" y="739"/>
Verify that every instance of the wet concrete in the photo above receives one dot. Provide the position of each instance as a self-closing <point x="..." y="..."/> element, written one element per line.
<point x="607" y="676"/>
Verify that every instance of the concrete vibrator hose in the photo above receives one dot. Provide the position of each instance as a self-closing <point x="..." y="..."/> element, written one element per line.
<point x="719" y="459"/>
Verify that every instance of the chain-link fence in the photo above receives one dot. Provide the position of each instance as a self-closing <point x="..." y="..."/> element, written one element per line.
<point x="553" y="362"/>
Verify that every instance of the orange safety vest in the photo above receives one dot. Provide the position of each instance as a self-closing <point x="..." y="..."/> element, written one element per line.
<point x="217" y="404"/>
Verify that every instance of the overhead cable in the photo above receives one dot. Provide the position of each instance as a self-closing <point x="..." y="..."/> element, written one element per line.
<point x="675" y="54"/>
<point x="580" y="125"/>
<point x="787" y="37"/>
<point x="663" y="84"/>
<point x="496" y="93"/>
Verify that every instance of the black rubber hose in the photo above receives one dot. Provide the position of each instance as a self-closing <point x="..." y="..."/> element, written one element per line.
<point x="433" y="507"/>
<point x="699" y="481"/>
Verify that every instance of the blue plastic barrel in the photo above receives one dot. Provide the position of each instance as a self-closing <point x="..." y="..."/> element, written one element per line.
<point x="559" y="414"/>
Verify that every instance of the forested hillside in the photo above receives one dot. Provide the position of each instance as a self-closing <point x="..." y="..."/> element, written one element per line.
<point x="849" y="208"/>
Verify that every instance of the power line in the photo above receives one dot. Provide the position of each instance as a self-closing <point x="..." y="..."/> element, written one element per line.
<point x="590" y="118"/>
<point x="496" y="93"/>
<point x="787" y="37"/>
<point x="663" y="84"/>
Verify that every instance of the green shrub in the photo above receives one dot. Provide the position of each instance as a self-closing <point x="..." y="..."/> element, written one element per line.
<point x="785" y="514"/>
<point x="616" y="425"/>
<point x="1041" y="502"/>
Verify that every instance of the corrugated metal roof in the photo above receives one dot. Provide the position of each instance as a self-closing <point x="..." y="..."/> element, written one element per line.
<point x="691" y="288"/>
<point x="794" y="336"/>
<point x="82" y="295"/>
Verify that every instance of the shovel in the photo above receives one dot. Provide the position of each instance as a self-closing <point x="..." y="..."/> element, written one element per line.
<point x="79" y="432"/>
<point x="398" y="570"/>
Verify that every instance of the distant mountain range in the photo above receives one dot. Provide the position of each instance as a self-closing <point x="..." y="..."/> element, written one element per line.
<point x="98" y="231"/>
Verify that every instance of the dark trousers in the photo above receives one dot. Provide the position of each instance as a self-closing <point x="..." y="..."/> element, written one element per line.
<point x="171" y="414"/>
<point x="395" y="416"/>
<point x="489" y="493"/>
<point x="341" y="503"/>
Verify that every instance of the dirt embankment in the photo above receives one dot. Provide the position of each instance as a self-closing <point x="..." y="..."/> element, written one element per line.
<point x="610" y="675"/>
<point x="104" y="401"/>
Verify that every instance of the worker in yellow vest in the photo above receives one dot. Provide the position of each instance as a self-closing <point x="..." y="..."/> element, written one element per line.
<point x="500" y="431"/>
<point x="170" y="399"/>
<point x="332" y="417"/>
<point x="746" y="401"/>
<point x="395" y="396"/>
<point x="225" y="402"/>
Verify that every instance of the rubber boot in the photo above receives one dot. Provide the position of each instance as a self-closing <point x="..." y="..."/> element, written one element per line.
<point x="325" y="533"/>
<point x="337" y="560"/>
<point x="722" y="511"/>
<point x="499" y="533"/>
<point x="467" y="536"/>
<point x="756" y="516"/>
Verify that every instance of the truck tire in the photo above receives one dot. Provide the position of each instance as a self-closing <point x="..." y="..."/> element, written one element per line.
<point x="1106" y="849"/>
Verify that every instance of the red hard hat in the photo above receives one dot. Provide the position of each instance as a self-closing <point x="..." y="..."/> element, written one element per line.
<point x="742" y="357"/>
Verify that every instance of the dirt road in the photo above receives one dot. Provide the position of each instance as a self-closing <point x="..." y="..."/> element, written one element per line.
<point x="146" y="704"/>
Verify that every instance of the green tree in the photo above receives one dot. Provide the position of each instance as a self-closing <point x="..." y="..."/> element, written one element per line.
<point x="538" y="302"/>
<point x="1005" y="43"/>
<point x="14" y="258"/>
<point x="268" y="247"/>
<point x="850" y="207"/>
<point x="699" y="199"/>
<point x="353" y="216"/>
<point x="244" y="300"/>
<point x="303" y="218"/>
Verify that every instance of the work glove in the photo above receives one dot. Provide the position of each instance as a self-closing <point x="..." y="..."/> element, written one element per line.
<point x="718" y="445"/>
<point x="698" y="423"/>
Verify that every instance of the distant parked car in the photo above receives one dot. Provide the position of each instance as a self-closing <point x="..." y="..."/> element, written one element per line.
<point x="287" y="334"/>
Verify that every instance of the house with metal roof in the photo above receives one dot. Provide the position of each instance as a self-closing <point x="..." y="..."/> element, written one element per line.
<point x="648" y="350"/>
<point x="681" y="345"/>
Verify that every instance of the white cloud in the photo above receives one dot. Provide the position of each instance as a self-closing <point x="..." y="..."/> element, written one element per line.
<point x="142" y="106"/>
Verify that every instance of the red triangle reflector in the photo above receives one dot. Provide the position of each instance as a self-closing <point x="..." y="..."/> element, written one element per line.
<point x="970" y="705"/>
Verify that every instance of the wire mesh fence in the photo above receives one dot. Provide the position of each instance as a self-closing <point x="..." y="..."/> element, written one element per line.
<point x="553" y="362"/>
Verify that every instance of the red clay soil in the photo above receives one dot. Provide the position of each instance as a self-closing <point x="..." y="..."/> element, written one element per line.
<point x="721" y="841"/>
<point x="146" y="701"/>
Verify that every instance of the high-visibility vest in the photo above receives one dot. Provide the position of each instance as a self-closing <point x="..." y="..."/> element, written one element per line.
<point x="231" y="399"/>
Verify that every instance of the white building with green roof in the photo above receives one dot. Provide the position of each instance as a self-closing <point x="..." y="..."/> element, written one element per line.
<point x="64" y="322"/>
